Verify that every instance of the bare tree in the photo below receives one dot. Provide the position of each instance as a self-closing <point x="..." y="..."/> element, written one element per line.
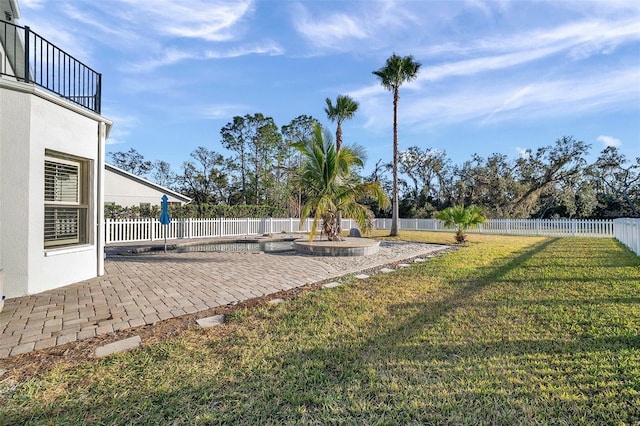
<point x="131" y="161"/>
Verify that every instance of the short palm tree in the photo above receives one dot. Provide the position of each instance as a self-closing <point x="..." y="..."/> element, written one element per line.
<point x="325" y="177"/>
<point x="344" y="109"/>
<point x="397" y="70"/>
<point x="462" y="218"/>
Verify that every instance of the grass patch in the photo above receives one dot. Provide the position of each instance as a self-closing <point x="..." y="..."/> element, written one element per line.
<point x="505" y="330"/>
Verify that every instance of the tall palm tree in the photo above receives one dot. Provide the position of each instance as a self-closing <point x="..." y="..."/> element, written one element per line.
<point x="325" y="177"/>
<point x="344" y="109"/>
<point x="397" y="70"/>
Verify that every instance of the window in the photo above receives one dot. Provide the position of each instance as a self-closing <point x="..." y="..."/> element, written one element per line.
<point x="65" y="200"/>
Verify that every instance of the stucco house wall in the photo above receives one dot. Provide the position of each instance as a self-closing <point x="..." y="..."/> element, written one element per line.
<point x="51" y="165"/>
<point x="128" y="190"/>
<point x="32" y="121"/>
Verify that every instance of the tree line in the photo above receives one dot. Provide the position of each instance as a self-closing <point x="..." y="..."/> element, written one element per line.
<point x="552" y="181"/>
<point x="263" y="169"/>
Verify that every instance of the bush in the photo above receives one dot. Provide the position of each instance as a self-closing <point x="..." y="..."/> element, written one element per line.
<point x="204" y="211"/>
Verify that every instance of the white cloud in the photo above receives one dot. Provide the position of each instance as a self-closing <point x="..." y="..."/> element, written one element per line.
<point x="480" y="5"/>
<point x="269" y="49"/>
<point x="419" y="27"/>
<point x="203" y="19"/>
<point x="503" y="100"/>
<point x="328" y="31"/>
<point x="167" y="57"/>
<point x="122" y="125"/>
<point x="579" y="41"/>
<point x="143" y="29"/>
<point x="172" y="56"/>
<point x="359" y="26"/>
<point x="514" y="101"/>
<point x="483" y="64"/>
<point x="222" y="111"/>
<point x="609" y="141"/>
<point x="150" y="31"/>
<point x="32" y="4"/>
<point x="76" y="14"/>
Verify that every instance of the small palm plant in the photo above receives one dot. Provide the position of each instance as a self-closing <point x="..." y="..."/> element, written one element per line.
<point x="330" y="191"/>
<point x="462" y="218"/>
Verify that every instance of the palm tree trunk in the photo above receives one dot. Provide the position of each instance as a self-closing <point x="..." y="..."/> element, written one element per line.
<point x="330" y="227"/>
<point x="338" y="147"/>
<point x="395" y="209"/>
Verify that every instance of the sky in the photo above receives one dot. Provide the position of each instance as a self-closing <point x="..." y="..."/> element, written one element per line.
<point x="495" y="76"/>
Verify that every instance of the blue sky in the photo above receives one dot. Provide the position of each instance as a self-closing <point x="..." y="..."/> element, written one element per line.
<point x="496" y="76"/>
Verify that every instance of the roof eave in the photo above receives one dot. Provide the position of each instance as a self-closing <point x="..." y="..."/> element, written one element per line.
<point x="144" y="181"/>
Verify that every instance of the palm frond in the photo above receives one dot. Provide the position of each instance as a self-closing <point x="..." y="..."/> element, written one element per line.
<point x="325" y="175"/>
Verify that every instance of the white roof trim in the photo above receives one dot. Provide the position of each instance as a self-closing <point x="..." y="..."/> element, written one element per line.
<point x="12" y="7"/>
<point x="16" y="9"/>
<point x="32" y="89"/>
<point x="146" y="182"/>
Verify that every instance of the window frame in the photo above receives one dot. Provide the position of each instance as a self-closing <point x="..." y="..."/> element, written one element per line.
<point x="59" y="213"/>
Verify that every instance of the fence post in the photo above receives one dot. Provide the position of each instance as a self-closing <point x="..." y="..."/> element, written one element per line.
<point x="152" y="231"/>
<point x="27" y="54"/>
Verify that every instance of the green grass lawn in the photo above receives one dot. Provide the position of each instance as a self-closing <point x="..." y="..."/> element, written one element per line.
<point x="506" y="330"/>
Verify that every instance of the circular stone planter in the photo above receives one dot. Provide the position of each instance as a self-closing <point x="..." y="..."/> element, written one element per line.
<point x="346" y="247"/>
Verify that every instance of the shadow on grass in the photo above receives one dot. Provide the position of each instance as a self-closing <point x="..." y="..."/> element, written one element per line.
<point x="394" y="377"/>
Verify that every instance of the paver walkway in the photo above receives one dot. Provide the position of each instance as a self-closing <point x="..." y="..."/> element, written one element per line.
<point x="148" y="288"/>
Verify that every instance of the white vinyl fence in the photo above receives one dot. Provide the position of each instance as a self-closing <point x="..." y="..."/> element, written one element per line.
<point x="627" y="231"/>
<point x="131" y="230"/>
<point x="542" y="227"/>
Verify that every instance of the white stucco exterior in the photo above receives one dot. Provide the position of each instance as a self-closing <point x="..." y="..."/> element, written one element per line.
<point x="31" y="121"/>
<point x="128" y="190"/>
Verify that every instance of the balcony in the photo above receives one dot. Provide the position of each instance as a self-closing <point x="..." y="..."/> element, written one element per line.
<point x="26" y="56"/>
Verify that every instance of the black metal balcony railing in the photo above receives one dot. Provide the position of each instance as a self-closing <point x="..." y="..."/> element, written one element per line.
<point x="28" y="57"/>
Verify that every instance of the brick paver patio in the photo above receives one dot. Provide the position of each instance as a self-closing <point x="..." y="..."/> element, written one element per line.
<point x="145" y="289"/>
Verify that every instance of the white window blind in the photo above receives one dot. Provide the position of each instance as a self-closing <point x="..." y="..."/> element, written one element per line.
<point x="65" y="212"/>
<point x="61" y="181"/>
